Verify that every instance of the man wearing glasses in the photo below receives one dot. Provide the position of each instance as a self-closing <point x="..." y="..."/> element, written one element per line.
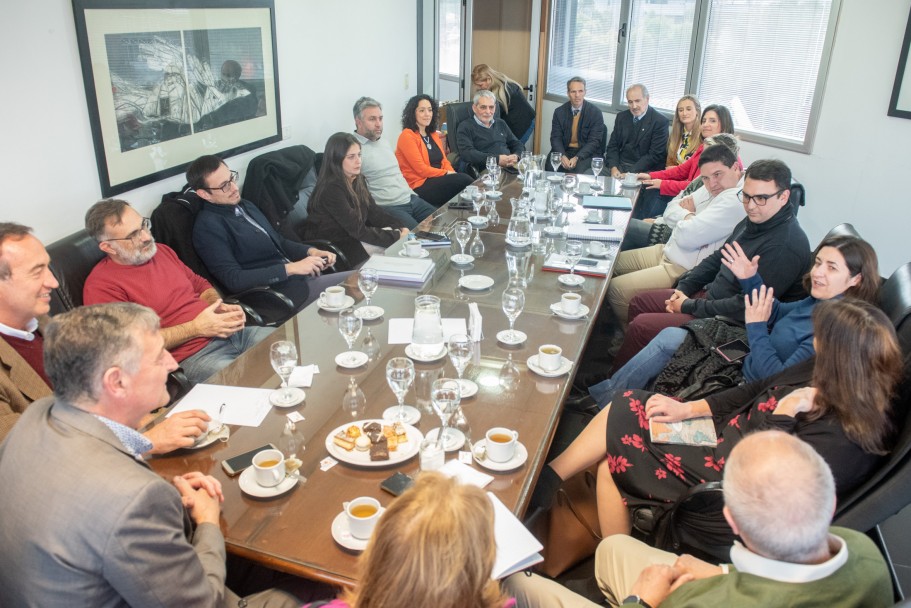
<point x="202" y="333"/>
<point x="241" y="248"/>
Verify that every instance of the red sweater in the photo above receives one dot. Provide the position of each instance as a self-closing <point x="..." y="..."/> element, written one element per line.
<point x="675" y="179"/>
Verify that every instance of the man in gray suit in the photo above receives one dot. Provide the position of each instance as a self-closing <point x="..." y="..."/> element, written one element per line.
<point x="85" y="521"/>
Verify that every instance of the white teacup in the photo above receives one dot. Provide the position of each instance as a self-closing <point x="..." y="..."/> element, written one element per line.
<point x="501" y="444"/>
<point x="596" y="248"/>
<point x="470" y="191"/>
<point x="413" y="249"/>
<point x="550" y="357"/>
<point x="593" y="216"/>
<point x="333" y="297"/>
<point x="570" y="303"/>
<point x="363" y="514"/>
<point x="269" y="468"/>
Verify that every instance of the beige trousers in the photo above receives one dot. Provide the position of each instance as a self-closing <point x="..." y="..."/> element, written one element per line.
<point x="639" y="270"/>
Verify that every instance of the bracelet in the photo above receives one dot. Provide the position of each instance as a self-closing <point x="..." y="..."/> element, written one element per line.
<point x="635" y="599"/>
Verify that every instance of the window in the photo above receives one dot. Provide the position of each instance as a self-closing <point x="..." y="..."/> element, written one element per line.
<point x="764" y="59"/>
<point x="450" y="37"/>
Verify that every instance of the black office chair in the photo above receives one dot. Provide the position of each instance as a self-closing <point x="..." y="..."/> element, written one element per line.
<point x="456" y="112"/>
<point x="842" y="230"/>
<point x="798" y="195"/>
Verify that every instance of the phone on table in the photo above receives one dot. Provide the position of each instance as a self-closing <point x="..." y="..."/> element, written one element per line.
<point x="430" y="236"/>
<point x="397" y="483"/>
<point x="236" y="464"/>
<point x="735" y="350"/>
<point x="587" y="262"/>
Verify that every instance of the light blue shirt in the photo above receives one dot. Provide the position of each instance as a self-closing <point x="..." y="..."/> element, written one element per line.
<point x="135" y="442"/>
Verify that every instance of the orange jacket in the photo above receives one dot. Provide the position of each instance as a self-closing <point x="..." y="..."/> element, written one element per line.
<point x="411" y="152"/>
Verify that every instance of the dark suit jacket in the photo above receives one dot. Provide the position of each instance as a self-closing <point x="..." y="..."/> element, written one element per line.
<point x="638" y="150"/>
<point x="591" y="129"/>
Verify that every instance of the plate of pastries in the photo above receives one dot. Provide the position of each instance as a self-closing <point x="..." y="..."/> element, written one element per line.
<point x="374" y="443"/>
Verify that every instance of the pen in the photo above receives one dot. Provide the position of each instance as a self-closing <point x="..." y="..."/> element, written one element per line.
<point x="602" y="229"/>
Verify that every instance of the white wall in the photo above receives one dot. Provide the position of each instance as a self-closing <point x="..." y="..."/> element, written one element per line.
<point x="860" y="162"/>
<point x="329" y="54"/>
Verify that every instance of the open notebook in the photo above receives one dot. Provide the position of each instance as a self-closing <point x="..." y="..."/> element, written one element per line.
<point x="517" y="548"/>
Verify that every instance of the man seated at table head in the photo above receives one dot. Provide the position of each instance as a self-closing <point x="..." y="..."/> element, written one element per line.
<point x="203" y="333"/>
<point x="638" y="143"/>
<point x="577" y="131"/>
<point x="26" y="283"/>
<point x="243" y="250"/>
<point x="380" y="167"/>
<point x="86" y="522"/>
<point x="779" y="498"/>
<point x="484" y="135"/>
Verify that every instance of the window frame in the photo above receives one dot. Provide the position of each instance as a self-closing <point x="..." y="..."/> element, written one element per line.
<point x="694" y="70"/>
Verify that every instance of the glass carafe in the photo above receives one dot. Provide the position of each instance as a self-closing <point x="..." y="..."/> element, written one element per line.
<point x="427" y="334"/>
<point x="518" y="233"/>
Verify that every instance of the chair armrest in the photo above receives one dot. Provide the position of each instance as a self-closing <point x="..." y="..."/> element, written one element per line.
<point x="178" y="385"/>
<point x="281" y="299"/>
<point x="341" y="262"/>
<point x="253" y="317"/>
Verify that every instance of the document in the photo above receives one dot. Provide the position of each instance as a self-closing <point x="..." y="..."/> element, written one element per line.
<point x="517" y="548"/>
<point x="243" y="406"/>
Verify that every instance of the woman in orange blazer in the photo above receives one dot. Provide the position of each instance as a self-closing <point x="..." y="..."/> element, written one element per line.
<point x="421" y="156"/>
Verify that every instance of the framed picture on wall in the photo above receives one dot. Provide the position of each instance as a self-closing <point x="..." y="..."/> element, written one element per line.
<point x="900" y="104"/>
<point x="170" y="80"/>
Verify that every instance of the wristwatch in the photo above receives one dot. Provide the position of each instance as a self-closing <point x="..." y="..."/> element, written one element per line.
<point x="635" y="599"/>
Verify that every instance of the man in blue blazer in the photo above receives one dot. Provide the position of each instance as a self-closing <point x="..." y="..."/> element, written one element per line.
<point x="577" y="132"/>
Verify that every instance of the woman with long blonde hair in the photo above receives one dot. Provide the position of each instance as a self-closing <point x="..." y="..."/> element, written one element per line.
<point x="515" y="110"/>
<point x="686" y="132"/>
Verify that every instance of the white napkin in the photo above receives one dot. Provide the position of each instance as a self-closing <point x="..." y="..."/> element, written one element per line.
<point x="474" y="322"/>
<point x="302" y="376"/>
<point x="465" y="474"/>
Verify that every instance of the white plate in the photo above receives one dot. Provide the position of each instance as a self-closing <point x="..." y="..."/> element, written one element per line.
<point x="467" y="388"/>
<point x="494" y="195"/>
<point x="412" y="414"/>
<point x="369" y="313"/>
<point x="404" y="254"/>
<point x="342" y="534"/>
<point x="404" y="452"/>
<point x="555" y="178"/>
<point x="503" y="336"/>
<point x="624" y="184"/>
<point x="298" y="396"/>
<point x="357" y="359"/>
<point x="571" y="279"/>
<point x="518" y="459"/>
<point x="478" y="221"/>
<point x="249" y="486"/>
<point x="558" y="310"/>
<point x="409" y="352"/>
<point x="461" y="259"/>
<point x="209" y="438"/>
<point x="349" y="302"/>
<point x="564" y="368"/>
<point x="476" y="282"/>
<point x="455" y="438"/>
<point x="604" y="253"/>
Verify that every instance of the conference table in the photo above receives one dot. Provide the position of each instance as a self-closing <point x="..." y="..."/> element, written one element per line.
<point x="292" y="532"/>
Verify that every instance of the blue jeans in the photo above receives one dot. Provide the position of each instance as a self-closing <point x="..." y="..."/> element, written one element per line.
<point x="527" y="135"/>
<point x="411" y="213"/>
<point x="219" y="352"/>
<point x="641" y="369"/>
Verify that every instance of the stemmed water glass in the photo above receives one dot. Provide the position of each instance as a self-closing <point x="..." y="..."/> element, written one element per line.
<point x="459" y="347"/>
<point x="569" y="185"/>
<point x="492" y="161"/>
<point x="349" y="325"/>
<point x="445" y="397"/>
<point x="400" y="376"/>
<point x="368" y="282"/>
<point x="462" y="235"/>
<point x="555" y="160"/>
<point x="513" y="303"/>
<point x="572" y="251"/>
<point x="476" y="250"/>
<point x="477" y="203"/>
<point x="354" y="401"/>
<point x="597" y="167"/>
<point x="283" y="355"/>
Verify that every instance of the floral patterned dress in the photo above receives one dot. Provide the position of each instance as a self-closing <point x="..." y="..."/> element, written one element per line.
<point x="647" y="473"/>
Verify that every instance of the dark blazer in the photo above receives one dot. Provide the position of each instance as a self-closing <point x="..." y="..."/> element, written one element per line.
<point x="638" y="150"/>
<point x="591" y="130"/>
<point x="274" y="181"/>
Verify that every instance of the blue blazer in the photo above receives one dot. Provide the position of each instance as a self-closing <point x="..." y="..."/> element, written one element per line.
<point x="642" y="149"/>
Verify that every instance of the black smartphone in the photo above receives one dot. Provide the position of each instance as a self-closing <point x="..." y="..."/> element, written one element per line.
<point x="397" y="483"/>
<point x="735" y="350"/>
<point x="587" y="262"/>
<point x="460" y="204"/>
<point x="430" y="236"/>
<point x="236" y="464"/>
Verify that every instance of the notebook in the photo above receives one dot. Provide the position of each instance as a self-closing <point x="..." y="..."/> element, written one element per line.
<point x="594" y="232"/>
<point x="408" y="271"/>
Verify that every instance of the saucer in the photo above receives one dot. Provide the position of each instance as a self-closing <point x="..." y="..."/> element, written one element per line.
<point x="517" y="460"/>
<point x="476" y="282"/>
<point x="519" y="338"/>
<point x="604" y="253"/>
<point x="249" y="486"/>
<point x="558" y="310"/>
<point x="404" y="254"/>
<point x="342" y="534"/>
<point x="223" y="433"/>
<point x="348" y="303"/>
<point x="351" y="359"/>
<point x="564" y="368"/>
<point x="467" y="388"/>
<point x="412" y="415"/>
<point x="494" y="195"/>
<point x="409" y="352"/>
<point x="461" y="259"/>
<point x="625" y="184"/>
<point x="369" y="313"/>
<point x="478" y="221"/>
<point x="466" y="196"/>
<point x="455" y="438"/>
<point x="298" y="396"/>
<point x="555" y="178"/>
<point x="571" y="279"/>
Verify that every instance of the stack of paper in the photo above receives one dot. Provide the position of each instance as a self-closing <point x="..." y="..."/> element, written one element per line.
<point x="408" y="271"/>
<point x="593" y="232"/>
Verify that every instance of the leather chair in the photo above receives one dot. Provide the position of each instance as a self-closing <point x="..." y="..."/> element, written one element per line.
<point x="842" y="230"/>
<point x="455" y="113"/>
<point x="798" y="195"/>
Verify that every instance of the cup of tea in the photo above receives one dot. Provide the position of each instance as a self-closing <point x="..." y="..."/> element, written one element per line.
<point x="501" y="444"/>
<point x="550" y="356"/>
<point x="363" y="514"/>
<point x="413" y="249"/>
<point x="596" y="247"/>
<point x="570" y="303"/>
<point x="269" y="468"/>
<point x="333" y="297"/>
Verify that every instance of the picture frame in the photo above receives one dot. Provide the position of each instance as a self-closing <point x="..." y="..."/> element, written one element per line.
<point x="167" y="81"/>
<point x="900" y="103"/>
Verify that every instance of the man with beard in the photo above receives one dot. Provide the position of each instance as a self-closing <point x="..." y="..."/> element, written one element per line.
<point x="201" y="332"/>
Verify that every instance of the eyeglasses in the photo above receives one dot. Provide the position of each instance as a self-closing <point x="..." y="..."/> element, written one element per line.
<point x="145" y="226"/>
<point x="225" y="187"/>
<point x="759" y="199"/>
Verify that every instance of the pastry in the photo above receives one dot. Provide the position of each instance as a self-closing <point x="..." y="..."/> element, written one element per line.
<point x="353" y="431"/>
<point x="362" y="443"/>
<point x="343" y="441"/>
<point x="373" y="427"/>
<point x="379" y="450"/>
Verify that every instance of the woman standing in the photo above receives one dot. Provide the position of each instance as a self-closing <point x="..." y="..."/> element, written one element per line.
<point x="685" y="137"/>
<point x="515" y="110"/>
<point x="420" y="154"/>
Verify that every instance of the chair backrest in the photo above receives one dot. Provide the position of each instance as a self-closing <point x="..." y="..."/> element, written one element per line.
<point x="172" y="225"/>
<point x="455" y="113"/>
<point x="842" y="230"/>
<point x="274" y="180"/>
<point x="798" y="195"/>
<point x="72" y="259"/>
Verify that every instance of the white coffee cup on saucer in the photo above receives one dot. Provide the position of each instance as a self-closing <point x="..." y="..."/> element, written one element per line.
<point x="269" y="468"/>
<point x="413" y="249"/>
<point x="550" y="356"/>
<point x="362" y="513"/>
<point x="501" y="444"/>
<point x="333" y="297"/>
<point x="596" y="247"/>
<point x="570" y="303"/>
<point x="593" y="216"/>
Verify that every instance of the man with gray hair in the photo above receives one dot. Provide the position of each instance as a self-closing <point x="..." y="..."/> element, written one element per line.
<point x="779" y="498"/>
<point x="380" y="167"/>
<point x="577" y="130"/>
<point x="86" y="521"/>
<point x="484" y="135"/>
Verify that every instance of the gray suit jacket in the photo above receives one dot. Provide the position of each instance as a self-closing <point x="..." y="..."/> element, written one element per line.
<point x="86" y="524"/>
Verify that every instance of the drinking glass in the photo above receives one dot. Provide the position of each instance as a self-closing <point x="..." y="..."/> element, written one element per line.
<point x="445" y="397"/>
<point x="400" y="376"/>
<point x="492" y="161"/>
<point x="354" y="400"/>
<point x="569" y="185"/>
<point x="513" y="304"/>
<point x="522" y="167"/>
<point x="597" y="167"/>
<point x="460" y="354"/>
<point x="367" y="282"/>
<point x="555" y="160"/>
<point x="572" y="251"/>
<point x="476" y="250"/>
<point x="349" y="325"/>
<point x="463" y="235"/>
<point x="494" y="176"/>
<point x="477" y="203"/>
<point x="283" y="355"/>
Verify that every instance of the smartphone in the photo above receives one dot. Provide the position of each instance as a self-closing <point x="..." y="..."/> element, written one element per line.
<point x="460" y="204"/>
<point x="735" y="350"/>
<point x="430" y="236"/>
<point x="587" y="262"/>
<point x="397" y="483"/>
<point x="236" y="464"/>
